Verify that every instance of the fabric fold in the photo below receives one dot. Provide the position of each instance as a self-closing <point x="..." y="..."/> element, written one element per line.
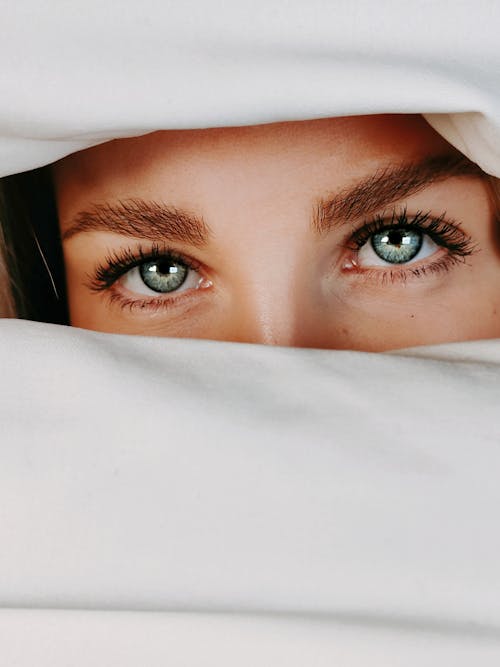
<point x="167" y="474"/>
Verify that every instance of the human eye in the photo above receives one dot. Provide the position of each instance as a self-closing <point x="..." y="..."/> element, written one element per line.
<point x="403" y="246"/>
<point x="146" y="278"/>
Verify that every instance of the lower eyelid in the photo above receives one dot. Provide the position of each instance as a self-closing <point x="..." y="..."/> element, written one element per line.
<point x="439" y="263"/>
<point x="126" y="299"/>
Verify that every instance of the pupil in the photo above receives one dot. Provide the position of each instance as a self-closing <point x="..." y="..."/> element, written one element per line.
<point x="164" y="266"/>
<point x="395" y="237"/>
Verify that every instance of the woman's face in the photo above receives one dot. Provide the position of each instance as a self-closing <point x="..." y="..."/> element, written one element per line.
<point x="366" y="233"/>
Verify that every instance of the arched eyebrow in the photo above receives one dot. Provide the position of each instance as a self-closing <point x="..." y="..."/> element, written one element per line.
<point x="386" y="186"/>
<point x="141" y="219"/>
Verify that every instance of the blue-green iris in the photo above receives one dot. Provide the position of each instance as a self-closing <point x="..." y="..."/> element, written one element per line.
<point x="163" y="275"/>
<point x="397" y="246"/>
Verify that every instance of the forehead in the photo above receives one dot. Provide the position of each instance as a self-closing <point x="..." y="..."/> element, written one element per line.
<point x="256" y="157"/>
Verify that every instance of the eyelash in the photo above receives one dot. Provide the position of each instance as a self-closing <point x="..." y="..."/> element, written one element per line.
<point x="445" y="233"/>
<point x="119" y="262"/>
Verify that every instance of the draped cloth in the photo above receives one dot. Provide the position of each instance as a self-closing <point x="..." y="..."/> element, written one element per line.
<point x="76" y="74"/>
<point x="189" y="502"/>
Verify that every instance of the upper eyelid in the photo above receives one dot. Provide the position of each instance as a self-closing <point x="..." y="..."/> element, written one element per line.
<point x="401" y="217"/>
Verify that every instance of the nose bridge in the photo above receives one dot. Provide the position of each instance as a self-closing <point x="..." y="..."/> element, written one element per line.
<point x="266" y="304"/>
<point x="270" y="283"/>
<point x="268" y="319"/>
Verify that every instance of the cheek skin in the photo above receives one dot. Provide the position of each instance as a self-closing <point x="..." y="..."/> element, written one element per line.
<point x="467" y="310"/>
<point x="427" y="326"/>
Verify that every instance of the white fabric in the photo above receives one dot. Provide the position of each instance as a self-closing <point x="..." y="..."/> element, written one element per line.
<point x="196" y="503"/>
<point x="356" y="492"/>
<point x="71" y="79"/>
<point x="55" y="638"/>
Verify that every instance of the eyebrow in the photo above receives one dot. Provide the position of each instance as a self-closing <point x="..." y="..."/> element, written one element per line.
<point x="142" y="219"/>
<point x="386" y="186"/>
<point x="152" y="220"/>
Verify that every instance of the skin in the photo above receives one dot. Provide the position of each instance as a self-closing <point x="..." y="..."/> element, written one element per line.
<point x="266" y="276"/>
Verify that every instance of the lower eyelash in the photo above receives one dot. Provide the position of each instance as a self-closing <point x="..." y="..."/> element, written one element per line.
<point x="154" y="304"/>
<point x="392" y="276"/>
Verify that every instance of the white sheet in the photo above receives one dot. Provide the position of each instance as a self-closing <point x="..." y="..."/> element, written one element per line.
<point x="74" y="74"/>
<point x="357" y="492"/>
<point x="54" y="638"/>
<point x="196" y="503"/>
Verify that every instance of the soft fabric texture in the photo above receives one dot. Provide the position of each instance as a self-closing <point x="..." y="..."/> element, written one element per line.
<point x="76" y="74"/>
<point x="305" y="496"/>
<point x="199" y="503"/>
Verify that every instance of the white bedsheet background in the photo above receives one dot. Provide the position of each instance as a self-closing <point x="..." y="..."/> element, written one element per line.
<point x="193" y="503"/>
